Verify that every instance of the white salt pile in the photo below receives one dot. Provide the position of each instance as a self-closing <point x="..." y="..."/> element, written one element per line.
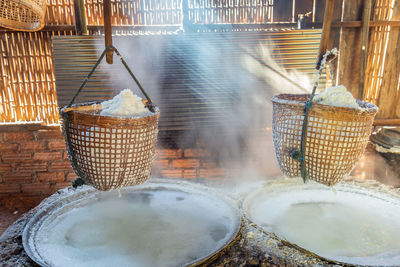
<point x="125" y="104"/>
<point x="337" y="96"/>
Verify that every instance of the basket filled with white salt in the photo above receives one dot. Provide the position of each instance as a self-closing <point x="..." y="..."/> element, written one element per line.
<point x="111" y="144"/>
<point x="320" y="138"/>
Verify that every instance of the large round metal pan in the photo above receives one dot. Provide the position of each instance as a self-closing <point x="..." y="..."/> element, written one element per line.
<point x="352" y="223"/>
<point x="177" y="200"/>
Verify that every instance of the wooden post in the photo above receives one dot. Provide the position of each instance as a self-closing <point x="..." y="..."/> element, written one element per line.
<point x="80" y="18"/>
<point x="364" y="45"/>
<point x="108" y="29"/>
<point x="326" y="29"/>
<point x="350" y="47"/>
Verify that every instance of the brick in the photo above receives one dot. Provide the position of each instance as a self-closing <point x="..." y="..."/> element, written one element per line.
<point x="57" y="145"/>
<point x="212" y="173"/>
<point x="169" y="153"/>
<point x="18" y="178"/>
<point x="71" y="176"/>
<point x="51" y="177"/>
<point x="6" y="147"/>
<point x="162" y="163"/>
<point x="47" y="156"/>
<point x="32" y="146"/>
<point x="208" y="164"/>
<point x="10" y="188"/>
<point x="59" y="186"/>
<point x="168" y="173"/>
<point x="65" y="155"/>
<point x="16" y="157"/>
<point x="60" y="166"/>
<point x="18" y="136"/>
<point x="32" y="167"/>
<point x="196" y="153"/>
<point x="5" y="167"/>
<point x="190" y="173"/>
<point x="49" y="134"/>
<point x="185" y="163"/>
<point x="36" y="189"/>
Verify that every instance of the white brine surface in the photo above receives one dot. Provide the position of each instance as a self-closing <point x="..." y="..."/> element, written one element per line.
<point x="146" y="228"/>
<point x="347" y="226"/>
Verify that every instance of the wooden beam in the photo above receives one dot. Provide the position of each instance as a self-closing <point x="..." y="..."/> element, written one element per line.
<point x="108" y="29"/>
<point x="358" y="23"/>
<point x="387" y="122"/>
<point x="326" y="29"/>
<point x="364" y="45"/>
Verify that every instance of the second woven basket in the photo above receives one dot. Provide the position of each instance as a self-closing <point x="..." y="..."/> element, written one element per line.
<point x="336" y="137"/>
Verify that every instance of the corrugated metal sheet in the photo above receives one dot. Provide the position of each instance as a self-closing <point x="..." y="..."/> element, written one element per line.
<point x="195" y="78"/>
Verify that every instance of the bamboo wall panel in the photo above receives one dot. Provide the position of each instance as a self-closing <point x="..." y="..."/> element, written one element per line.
<point x="383" y="67"/>
<point x="28" y="84"/>
<point x="136" y="12"/>
<point x="60" y="12"/>
<point x="230" y="11"/>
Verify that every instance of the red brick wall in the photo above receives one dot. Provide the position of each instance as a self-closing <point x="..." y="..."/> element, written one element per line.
<point x="33" y="161"/>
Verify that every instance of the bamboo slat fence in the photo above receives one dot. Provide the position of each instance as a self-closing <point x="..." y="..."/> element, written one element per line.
<point x="382" y="86"/>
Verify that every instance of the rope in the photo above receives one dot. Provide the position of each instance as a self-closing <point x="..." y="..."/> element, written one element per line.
<point x="112" y="48"/>
<point x="307" y="108"/>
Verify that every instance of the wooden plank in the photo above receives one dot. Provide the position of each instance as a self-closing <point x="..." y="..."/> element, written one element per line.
<point x="350" y="48"/>
<point x="389" y="96"/>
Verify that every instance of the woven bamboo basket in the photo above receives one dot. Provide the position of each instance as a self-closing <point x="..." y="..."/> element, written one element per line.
<point x="22" y="15"/>
<point x="109" y="152"/>
<point x="336" y="137"/>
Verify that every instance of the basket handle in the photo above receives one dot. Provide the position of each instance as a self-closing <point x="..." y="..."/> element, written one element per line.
<point x="149" y="103"/>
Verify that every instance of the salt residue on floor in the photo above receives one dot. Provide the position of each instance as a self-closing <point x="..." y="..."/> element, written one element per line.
<point x="337" y="96"/>
<point x="125" y="104"/>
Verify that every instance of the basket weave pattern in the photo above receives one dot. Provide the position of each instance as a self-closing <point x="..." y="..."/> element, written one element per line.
<point x="336" y="137"/>
<point x="25" y="15"/>
<point x="111" y="152"/>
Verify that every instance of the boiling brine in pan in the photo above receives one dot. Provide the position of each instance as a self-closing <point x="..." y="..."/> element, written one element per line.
<point x="349" y="226"/>
<point x="144" y="228"/>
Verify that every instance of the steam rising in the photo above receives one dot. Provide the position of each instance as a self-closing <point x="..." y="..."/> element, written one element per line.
<point x="228" y="80"/>
<point x="225" y="88"/>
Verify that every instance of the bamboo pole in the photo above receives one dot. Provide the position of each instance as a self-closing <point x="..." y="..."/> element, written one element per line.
<point x="364" y="45"/>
